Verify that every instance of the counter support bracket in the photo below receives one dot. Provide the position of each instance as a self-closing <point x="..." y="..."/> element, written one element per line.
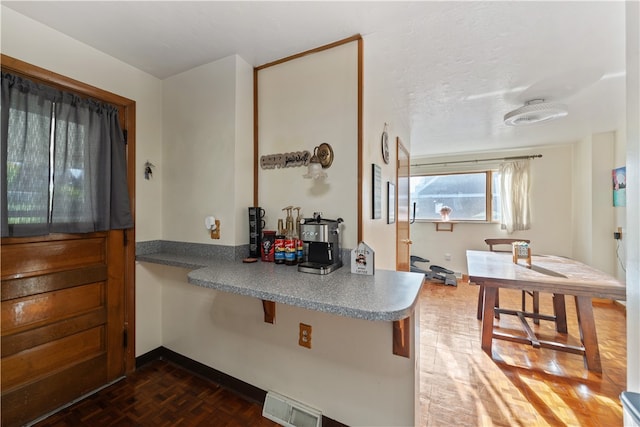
<point x="401" y="329"/>
<point x="269" y="308"/>
<point x="402" y="337"/>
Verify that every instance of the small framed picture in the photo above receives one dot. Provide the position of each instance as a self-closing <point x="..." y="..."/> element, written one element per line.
<point x="391" y="202"/>
<point x="619" y="179"/>
<point x="376" y="185"/>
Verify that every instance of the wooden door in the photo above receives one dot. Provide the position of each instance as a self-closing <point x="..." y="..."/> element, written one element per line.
<point x="402" y="328"/>
<point x="62" y="320"/>
<point x="67" y="300"/>
<point x="403" y="238"/>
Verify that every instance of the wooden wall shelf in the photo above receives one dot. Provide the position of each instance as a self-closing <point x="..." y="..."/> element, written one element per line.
<point x="444" y="226"/>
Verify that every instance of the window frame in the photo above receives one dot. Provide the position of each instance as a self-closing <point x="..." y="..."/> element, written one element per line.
<point x="490" y="174"/>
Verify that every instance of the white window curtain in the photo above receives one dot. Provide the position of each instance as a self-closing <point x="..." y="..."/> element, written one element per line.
<point x="514" y="195"/>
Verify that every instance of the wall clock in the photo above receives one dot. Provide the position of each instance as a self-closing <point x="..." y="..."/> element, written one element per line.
<point x="385" y="145"/>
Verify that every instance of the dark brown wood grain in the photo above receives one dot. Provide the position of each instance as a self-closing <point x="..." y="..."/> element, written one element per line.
<point x="402" y="337"/>
<point x="17" y="288"/>
<point x="269" y="308"/>
<point x="70" y="383"/>
<point x="29" y="259"/>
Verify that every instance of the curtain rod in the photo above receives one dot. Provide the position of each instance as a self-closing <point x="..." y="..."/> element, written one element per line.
<point x="533" y="156"/>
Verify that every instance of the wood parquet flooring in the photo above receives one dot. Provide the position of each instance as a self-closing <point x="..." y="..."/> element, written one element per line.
<point x="160" y="394"/>
<point x="460" y="385"/>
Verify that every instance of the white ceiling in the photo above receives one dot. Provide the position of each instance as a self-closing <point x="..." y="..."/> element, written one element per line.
<point x="456" y="67"/>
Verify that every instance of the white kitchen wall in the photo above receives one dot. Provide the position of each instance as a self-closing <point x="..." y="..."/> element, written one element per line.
<point x="381" y="105"/>
<point x="301" y="104"/>
<point x="633" y="194"/>
<point x="551" y="189"/>
<point x="243" y="179"/>
<point x="582" y="200"/>
<point x="620" y="214"/>
<point x="603" y="224"/>
<point x="199" y="136"/>
<point x="594" y="217"/>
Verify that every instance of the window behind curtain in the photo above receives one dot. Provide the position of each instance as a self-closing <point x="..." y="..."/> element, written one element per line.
<point x="65" y="162"/>
<point x="471" y="196"/>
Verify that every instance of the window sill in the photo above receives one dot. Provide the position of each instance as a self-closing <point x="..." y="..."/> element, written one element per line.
<point x="457" y="221"/>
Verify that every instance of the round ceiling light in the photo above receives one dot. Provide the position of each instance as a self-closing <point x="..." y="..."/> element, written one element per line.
<point x="535" y="111"/>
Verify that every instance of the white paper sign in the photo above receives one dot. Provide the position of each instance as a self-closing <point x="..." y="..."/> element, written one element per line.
<point x="363" y="259"/>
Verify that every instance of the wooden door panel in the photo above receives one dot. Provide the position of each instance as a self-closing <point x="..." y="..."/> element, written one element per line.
<point x="27" y="259"/>
<point x="62" y="310"/>
<point x="17" y="288"/>
<point x="33" y="364"/>
<point x="15" y="343"/>
<point x="32" y="311"/>
<point x="53" y="391"/>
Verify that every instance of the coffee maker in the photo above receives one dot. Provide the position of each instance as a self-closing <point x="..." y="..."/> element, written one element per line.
<point x="321" y="242"/>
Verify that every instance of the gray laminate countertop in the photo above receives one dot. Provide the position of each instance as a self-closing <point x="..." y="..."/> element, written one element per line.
<point x="387" y="295"/>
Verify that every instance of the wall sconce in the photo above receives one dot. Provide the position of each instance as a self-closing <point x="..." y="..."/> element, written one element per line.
<point x="321" y="159"/>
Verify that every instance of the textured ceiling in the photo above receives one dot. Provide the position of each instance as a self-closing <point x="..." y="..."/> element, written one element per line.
<point x="456" y="67"/>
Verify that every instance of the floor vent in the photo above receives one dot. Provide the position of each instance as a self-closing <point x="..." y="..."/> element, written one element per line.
<point x="290" y="413"/>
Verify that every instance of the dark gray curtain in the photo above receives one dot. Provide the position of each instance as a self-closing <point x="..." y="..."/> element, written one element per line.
<point x="64" y="162"/>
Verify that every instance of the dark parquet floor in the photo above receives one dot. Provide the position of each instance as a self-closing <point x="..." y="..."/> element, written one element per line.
<point x="459" y="384"/>
<point x="161" y="394"/>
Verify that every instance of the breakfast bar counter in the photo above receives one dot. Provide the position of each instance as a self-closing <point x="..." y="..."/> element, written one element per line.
<point x="212" y="308"/>
<point x="385" y="296"/>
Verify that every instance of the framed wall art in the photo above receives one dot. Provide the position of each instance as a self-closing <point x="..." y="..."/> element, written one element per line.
<point x="619" y="181"/>
<point x="391" y="202"/>
<point x="376" y="188"/>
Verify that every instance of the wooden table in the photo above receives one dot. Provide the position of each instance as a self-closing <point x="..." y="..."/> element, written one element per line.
<point x="551" y="274"/>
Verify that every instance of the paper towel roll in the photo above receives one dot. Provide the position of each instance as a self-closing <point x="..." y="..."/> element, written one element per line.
<point x="210" y="222"/>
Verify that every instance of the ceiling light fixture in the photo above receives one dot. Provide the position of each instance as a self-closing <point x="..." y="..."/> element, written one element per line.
<point x="535" y="111"/>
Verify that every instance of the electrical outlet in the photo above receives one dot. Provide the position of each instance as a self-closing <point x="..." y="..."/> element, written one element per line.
<point x="304" y="338"/>
<point x="618" y="234"/>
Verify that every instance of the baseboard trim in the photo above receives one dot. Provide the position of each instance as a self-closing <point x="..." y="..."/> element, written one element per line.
<point x="246" y="390"/>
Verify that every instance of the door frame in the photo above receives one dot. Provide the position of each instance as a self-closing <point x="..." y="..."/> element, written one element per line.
<point x="403" y="231"/>
<point x="127" y="111"/>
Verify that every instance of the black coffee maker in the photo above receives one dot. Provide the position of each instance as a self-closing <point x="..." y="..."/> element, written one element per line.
<point x="321" y="241"/>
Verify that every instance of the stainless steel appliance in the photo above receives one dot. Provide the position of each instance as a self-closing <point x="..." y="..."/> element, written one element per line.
<point x="321" y="242"/>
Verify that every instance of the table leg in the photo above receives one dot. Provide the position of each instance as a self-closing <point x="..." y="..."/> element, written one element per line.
<point x="560" y="312"/>
<point x="480" y="302"/>
<point x="490" y="293"/>
<point x="588" y="336"/>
